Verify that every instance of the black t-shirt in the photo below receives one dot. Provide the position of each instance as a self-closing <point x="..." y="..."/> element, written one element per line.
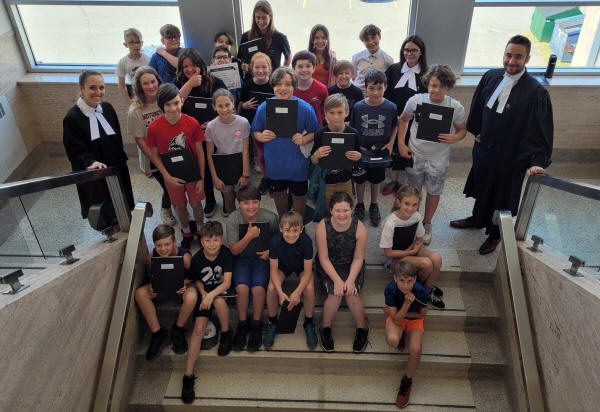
<point x="210" y="273"/>
<point x="250" y="86"/>
<point x="335" y="176"/>
<point x="395" y="298"/>
<point x="279" y="46"/>
<point x="291" y="256"/>
<point x="353" y="94"/>
<point x="198" y="92"/>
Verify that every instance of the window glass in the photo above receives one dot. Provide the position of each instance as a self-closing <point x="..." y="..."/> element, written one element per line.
<point x="343" y="19"/>
<point x="90" y="35"/>
<point x="570" y="32"/>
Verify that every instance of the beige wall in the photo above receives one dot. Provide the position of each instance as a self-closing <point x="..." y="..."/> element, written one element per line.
<point x="565" y="314"/>
<point x="576" y="119"/>
<point x="53" y="334"/>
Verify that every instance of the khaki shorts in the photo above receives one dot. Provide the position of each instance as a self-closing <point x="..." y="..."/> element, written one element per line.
<point x="332" y="188"/>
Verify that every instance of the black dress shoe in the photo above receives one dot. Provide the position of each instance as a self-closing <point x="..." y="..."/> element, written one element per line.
<point x="466" y="223"/>
<point x="488" y="246"/>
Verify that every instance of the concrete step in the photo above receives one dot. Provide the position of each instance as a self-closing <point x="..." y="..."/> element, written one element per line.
<point x="290" y="389"/>
<point x="452" y="352"/>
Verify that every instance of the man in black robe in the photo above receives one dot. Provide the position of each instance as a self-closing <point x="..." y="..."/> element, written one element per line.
<point x="511" y="118"/>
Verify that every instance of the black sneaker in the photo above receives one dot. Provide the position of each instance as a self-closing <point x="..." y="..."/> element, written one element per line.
<point x="158" y="342"/>
<point x="186" y="240"/>
<point x="374" y="214"/>
<point x="241" y="336"/>
<point x="326" y="339"/>
<point x="193" y="226"/>
<point x="437" y="291"/>
<point x="263" y="187"/>
<point x="225" y="344"/>
<point x="255" y="337"/>
<point x="187" y="389"/>
<point x="359" y="211"/>
<point x="180" y="345"/>
<point x="436" y="302"/>
<point x="209" y="209"/>
<point x="361" y="338"/>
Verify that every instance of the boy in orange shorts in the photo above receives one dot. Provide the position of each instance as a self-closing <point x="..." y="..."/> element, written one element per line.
<point x="405" y="307"/>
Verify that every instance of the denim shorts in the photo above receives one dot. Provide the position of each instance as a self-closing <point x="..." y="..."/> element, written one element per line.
<point x="250" y="271"/>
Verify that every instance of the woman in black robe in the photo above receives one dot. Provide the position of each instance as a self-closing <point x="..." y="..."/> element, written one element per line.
<point x="92" y="140"/>
<point x="403" y="82"/>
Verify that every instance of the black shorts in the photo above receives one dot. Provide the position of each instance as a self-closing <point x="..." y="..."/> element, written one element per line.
<point x="296" y="188"/>
<point x="344" y="272"/>
<point x="203" y="313"/>
<point x="373" y="175"/>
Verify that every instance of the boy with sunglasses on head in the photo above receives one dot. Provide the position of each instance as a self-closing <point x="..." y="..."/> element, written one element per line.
<point x="164" y="61"/>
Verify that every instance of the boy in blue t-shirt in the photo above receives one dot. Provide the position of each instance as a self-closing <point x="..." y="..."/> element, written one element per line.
<point x="164" y="61"/>
<point x="290" y="252"/>
<point x="286" y="163"/>
<point x="405" y="307"/>
<point x="376" y="120"/>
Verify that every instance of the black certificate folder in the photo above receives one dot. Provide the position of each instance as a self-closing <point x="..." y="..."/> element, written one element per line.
<point x="340" y="143"/>
<point x="433" y="120"/>
<point x="229" y="167"/>
<point x="246" y="50"/>
<point x="181" y="164"/>
<point x="200" y="108"/>
<point x="282" y="117"/>
<point x="167" y="276"/>
<point x="260" y="243"/>
<point x="404" y="236"/>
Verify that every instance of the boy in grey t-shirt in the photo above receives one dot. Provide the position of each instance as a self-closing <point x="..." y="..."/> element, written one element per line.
<point x="130" y="62"/>
<point x="431" y="159"/>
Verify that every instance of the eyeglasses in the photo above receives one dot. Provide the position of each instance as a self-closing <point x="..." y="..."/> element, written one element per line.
<point x="221" y="57"/>
<point x="172" y="37"/>
<point x="411" y="51"/>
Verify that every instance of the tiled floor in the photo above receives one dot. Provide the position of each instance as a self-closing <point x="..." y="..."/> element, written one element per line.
<point x="54" y="216"/>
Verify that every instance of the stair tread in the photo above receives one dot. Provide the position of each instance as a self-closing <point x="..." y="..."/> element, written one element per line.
<point x="370" y="387"/>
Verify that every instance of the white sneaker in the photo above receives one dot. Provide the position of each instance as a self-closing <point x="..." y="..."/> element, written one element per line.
<point x="167" y="217"/>
<point x="427" y="235"/>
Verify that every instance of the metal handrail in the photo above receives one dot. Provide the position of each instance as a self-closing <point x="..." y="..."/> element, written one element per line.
<point x="503" y="219"/>
<point x="38" y="184"/>
<point x="534" y="184"/>
<point x="116" y="331"/>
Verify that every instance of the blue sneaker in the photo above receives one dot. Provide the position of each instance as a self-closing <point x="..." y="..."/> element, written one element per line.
<point x="311" y="336"/>
<point x="269" y="336"/>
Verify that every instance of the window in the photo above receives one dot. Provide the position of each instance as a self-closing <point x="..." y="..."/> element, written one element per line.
<point x="343" y="18"/>
<point x="572" y="32"/>
<point x="85" y="35"/>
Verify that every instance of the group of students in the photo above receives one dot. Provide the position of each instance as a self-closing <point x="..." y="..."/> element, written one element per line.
<point x="369" y="96"/>
<point x="228" y="264"/>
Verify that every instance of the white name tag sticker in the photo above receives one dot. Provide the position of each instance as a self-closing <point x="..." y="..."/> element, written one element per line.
<point x="176" y="159"/>
<point x="435" y="116"/>
<point x="377" y="158"/>
<point x="167" y="266"/>
<point x="281" y="110"/>
<point x="252" y="49"/>
<point x="337" y="140"/>
<point x="200" y="105"/>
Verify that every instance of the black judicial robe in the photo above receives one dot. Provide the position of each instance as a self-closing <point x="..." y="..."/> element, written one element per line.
<point x="509" y="143"/>
<point x="82" y="152"/>
<point x="399" y="96"/>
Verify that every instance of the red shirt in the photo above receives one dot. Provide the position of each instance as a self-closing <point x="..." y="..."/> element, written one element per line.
<point x="315" y="95"/>
<point x="181" y="135"/>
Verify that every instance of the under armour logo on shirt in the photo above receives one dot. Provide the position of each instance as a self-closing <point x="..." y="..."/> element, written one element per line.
<point x="380" y="121"/>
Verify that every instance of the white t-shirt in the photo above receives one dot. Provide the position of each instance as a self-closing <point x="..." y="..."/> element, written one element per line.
<point x="228" y="138"/>
<point x="139" y="120"/>
<point x="127" y="66"/>
<point x="363" y="61"/>
<point x="392" y="221"/>
<point x="425" y="148"/>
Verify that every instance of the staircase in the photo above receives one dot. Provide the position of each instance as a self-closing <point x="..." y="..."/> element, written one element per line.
<point x="463" y="366"/>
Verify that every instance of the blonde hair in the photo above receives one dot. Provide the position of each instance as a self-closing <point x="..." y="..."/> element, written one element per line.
<point x="257" y="56"/>
<point x="132" y="32"/>
<point x="405" y="191"/>
<point x="292" y="219"/>
<point x="336" y="100"/>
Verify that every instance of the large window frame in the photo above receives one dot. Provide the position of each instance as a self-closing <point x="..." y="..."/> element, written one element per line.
<point x="459" y="46"/>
